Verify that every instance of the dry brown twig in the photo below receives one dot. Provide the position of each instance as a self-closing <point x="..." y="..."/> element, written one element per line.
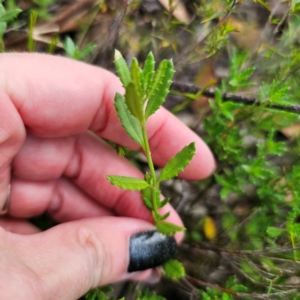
<point x="210" y="93"/>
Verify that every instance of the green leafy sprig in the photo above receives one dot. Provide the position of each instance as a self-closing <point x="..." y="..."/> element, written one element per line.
<point x="146" y="90"/>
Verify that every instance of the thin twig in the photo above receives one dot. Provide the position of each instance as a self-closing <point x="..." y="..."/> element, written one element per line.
<point x="264" y="274"/>
<point x="238" y="294"/>
<point x="286" y="260"/>
<point x="242" y="222"/>
<point x="266" y="296"/>
<point x="283" y="19"/>
<point x="210" y="93"/>
<point x="263" y="32"/>
<point x="189" y="50"/>
<point x="111" y="39"/>
<point x="262" y="284"/>
<point x="270" y="251"/>
<point x="264" y="252"/>
<point x="211" y="285"/>
<point x="246" y="276"/>
<point x="289" y="75"/>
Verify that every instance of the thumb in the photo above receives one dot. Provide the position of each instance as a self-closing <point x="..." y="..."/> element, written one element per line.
<point x="68" y="260"/>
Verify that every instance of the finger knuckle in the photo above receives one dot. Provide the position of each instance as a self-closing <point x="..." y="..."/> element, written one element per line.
<point x="94" y="252"/>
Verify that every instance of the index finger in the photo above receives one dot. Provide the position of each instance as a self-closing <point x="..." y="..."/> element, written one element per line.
<point x="58" y="97"/>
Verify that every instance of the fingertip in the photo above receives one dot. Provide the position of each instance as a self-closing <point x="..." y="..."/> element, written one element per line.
<point x="18" y="226"/>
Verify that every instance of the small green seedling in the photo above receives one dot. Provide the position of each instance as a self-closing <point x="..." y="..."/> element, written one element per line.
<point x="145" y="91"/>
<point x="74" y="52"/>
<point x="5" y="18"/>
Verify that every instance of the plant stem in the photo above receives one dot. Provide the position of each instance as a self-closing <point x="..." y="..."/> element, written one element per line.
<point x="150" y="164"/>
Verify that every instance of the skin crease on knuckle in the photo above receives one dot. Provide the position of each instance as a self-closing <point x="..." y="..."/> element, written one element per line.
<point x="94" y="252"/>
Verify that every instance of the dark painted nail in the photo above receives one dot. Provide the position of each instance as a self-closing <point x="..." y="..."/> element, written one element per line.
<point x="150" y="249"/>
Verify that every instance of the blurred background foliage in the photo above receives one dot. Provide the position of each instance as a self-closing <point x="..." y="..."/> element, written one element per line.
<point x="237" y="78"/>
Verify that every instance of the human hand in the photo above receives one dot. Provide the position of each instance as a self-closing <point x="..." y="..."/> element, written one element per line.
<point x="53" y="111"/>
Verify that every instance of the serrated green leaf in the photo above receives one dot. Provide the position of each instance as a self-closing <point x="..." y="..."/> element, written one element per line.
<point x="158" y="217"/>
<point x="157" y="197"/>
<point x="227" y="110"/>
<point x="174" y="269"/>
<point x="99" y="293"/>
<point x="164" y="202"/>
<point x="239" y="288"/>
<point x="148" y="72"/>
<point x="274" y="232"/>
<point x="102" y="296"/>
<point x="122" y="68"/>
<point x="167" y="228"/>
<point x="165" y="216"/>
<point x="148" y="178"/>
<point x="230" y="281"/>
<point x="205" y="296"/>
<point x="10" y="15"/>
<point x="226" y="296"/>
<point x="129" y="122"/>
<point x="106" y="289"/>
<point x="177" y="163"/>
<point x="136" y="74"/>
<point x="147" y="295"/>
<point x="127" y="183"/>
<point x="91" y="295"/>
<point x="146" y="195"/>
<point x="133" y="102"/>
<point x="160" y="87"/>
<point x="218" y="97"/>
